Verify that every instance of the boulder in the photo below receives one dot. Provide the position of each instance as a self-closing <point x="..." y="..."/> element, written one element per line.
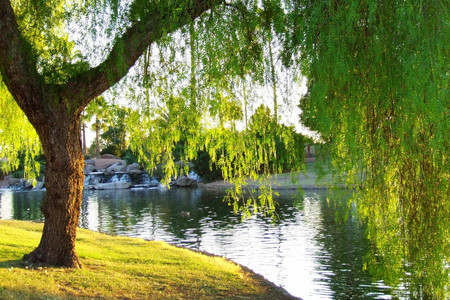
<point x="89" y="162"/>
<point x="92" y="179"/>
<point x="151" y="184"/>
<point x="10" y="182"/>
<point x="136" y="172"/>
<point x="108" y="156"/>
<point x="3" y="184"/>
<point x="26" y="184"/>
<point x="113" y="185"/>
<point x="185" y="181"/>
<point x="89" y="168"/>
<point x="120" y="166"/>
<point x="133" y="168"/>
<point x="102" y="164"/>
<point x="108" y="173"/>
<point x="39" y="185"/>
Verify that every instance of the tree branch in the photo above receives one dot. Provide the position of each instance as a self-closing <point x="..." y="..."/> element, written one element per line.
<point x="128" y="48"/>
<point x="17" y="64"/>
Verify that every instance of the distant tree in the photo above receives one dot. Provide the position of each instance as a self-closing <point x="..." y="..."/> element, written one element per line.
<point x="116" y="131"/>
<point x="99" y="110"/>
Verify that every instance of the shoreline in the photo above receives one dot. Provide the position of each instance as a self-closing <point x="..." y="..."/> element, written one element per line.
<point x="117" y="258"/>
<point x="306" y="180"/>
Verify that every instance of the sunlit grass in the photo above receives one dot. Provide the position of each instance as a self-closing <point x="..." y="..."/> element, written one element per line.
<point x="120" y="267"/>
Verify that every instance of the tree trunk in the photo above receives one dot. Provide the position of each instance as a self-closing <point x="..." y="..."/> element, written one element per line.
<point x="64" y="179"/>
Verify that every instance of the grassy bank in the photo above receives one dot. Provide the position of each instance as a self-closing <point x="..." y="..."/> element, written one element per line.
<point x="120" y="267"/>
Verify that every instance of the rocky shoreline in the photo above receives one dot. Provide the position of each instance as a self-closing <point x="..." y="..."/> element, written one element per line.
<point x="110" y="172"/>
<point x="105" y="173"/>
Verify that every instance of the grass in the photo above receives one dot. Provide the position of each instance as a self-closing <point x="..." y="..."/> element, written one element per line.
<point x="125" y="268"/>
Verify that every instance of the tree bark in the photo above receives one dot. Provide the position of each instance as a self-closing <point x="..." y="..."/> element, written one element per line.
<point x="64" y="182"/>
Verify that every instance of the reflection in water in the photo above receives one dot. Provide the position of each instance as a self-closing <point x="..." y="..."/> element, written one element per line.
<point x="23" y="205"/>
<point x="315" y="249"/>
<point x="6" y="207"/>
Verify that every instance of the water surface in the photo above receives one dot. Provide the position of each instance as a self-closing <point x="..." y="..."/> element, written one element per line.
<point x="309" y="250"/>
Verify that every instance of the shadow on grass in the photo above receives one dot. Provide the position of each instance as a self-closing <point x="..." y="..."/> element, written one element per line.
<point x="24" y="294"/>
<point x="16" y="263"/>
<point x="21" y="264"/>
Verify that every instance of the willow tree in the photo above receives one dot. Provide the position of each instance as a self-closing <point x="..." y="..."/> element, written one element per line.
<point x="52" y="83"/>
<point x="378" y="94"/>
<point x="52" y="86"/>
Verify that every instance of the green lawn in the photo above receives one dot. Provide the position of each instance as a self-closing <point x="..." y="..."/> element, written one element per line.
<point x="120" y="267"/>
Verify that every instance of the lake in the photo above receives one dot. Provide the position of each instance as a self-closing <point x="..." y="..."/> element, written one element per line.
<point x="313" y="248"/>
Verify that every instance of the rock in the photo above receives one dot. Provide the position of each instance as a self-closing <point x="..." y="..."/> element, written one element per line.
<point x="185" y="181"/>
<point x="3" y="184"/>
<point x="39" y="185"/>
<point x="89" y="162"/>
<point x="113" y="185"/>
<point x="89" y="168"/>
<point x="92" y="179"/>
<point x="152" y="184"/>
<point x="108" y="173"/>
<point x="136" y="172"/>
<point x="26" y="184"/>
<point x="119" y="166"/>
<point x="12" y="182"/>
<point x="108" y="156"/>
<point x="133" y="167"/>
<point x="194" y="176"/>
<point x="96" y="180"/>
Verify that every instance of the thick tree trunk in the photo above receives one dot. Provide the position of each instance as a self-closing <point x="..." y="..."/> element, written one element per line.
<point x="64" y="182"/>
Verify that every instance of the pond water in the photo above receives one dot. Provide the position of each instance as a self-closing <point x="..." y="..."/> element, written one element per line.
<point x="308" y="250"/>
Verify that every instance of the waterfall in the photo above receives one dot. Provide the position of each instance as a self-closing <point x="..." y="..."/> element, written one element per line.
<point x="117" y="177"/>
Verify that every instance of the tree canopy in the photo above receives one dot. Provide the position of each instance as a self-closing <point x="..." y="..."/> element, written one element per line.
<point x="377" y="78"/>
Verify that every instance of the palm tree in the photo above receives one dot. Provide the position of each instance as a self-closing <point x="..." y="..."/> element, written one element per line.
<point x="97" y="108"/>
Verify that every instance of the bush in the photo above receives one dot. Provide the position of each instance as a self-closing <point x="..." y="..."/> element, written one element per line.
<point x="111" y="149"/>
<point x="202" y="168"/>
<point x="129" y="157"/>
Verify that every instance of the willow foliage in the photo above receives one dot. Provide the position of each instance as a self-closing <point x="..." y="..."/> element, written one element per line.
<point x="201" y="103"/>
<point x="378" y="93"/>
<point x="17" y="136"/>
